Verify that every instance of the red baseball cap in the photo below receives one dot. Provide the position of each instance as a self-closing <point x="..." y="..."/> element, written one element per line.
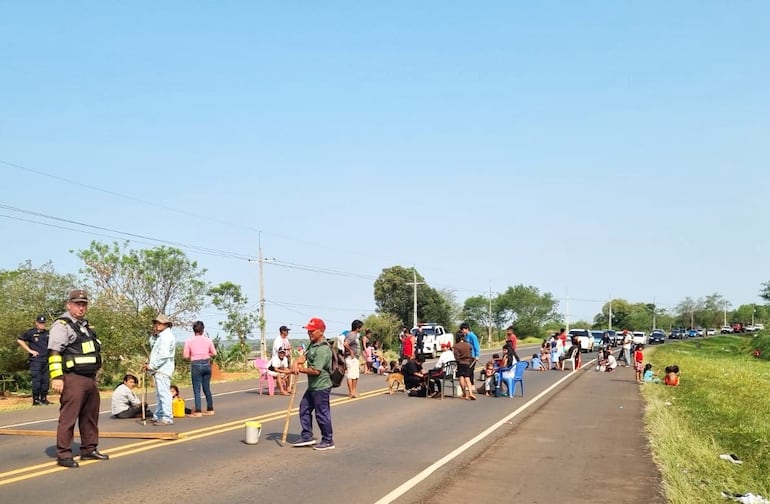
<point x="315" y="323"/>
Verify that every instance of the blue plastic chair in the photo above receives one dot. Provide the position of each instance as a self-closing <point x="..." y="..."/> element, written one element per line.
<point x="517" y="376"/>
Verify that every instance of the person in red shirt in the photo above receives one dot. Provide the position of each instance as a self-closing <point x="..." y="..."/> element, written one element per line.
<point x="513" y="340"/>
<point x="638" y="362"/>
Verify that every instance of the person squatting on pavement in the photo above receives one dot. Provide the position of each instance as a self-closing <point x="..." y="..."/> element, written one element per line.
<point x="161" y="365"/>
<point x="73" y="361"/>
<point x="35" y="343"/>
<point x="316" y="364"/>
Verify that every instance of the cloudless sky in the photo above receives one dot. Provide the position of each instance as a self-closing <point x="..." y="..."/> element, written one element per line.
<point x="589" y="149"/>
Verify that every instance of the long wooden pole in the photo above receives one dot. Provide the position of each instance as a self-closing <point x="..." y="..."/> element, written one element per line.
<point x="288" y="410"/>
<point x="127" y="435"/>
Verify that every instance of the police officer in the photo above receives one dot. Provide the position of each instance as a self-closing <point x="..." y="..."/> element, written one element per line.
<point x="74" y="359"/>
<point x="35" y="343"/>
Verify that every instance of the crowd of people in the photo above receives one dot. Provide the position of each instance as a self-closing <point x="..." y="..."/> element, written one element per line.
<point x="69" y="356"/>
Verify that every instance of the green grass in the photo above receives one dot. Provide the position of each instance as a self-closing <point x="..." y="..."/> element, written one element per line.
<point x="722" y="405"/>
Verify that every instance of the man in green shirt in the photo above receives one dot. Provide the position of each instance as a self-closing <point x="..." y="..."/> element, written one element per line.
<point x="316" y="363"/>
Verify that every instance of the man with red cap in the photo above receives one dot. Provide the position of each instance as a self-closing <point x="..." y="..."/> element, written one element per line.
<point x="316" y="363"/>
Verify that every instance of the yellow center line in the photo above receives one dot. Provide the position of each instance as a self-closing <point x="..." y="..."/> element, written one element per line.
<point x="28" y="472"/>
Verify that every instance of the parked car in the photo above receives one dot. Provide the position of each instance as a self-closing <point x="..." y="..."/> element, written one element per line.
<point x="639" y="337"/>
<point x="711" y="331"/>
<point x="657" y="336"/>
<point x="598" y="336"/>
<point x="676" y="334"/>
<point x="585" y="338"/>
<point x="692" y="333"/>
<point x="726" y="329"/>
<point x="759" y="326"/>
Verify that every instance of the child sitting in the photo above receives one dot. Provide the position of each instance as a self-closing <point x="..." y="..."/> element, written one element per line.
<point x="672" y="376"/>
<point x="649" y="376"/>
<point x="537" y="363"/>
<point x="489" y="378"/>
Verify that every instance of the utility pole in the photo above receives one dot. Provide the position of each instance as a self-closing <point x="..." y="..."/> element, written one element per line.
<point x="724" y="308"/>
<point x="262" y="323"/>
<point x="415" y="283"/>
<point x="610" y="313"/>
<point x="654" y="326"/>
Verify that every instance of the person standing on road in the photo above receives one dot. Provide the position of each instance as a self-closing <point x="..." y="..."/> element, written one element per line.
<point x="35" y="343"/>
<point x="513" y="340"/>
<point x="161" y="365"/>
<point x="282" y="341"/>
<point x="627" y="341"/>
<point x="316" y="363"/>
<point x="74" y="358"/>
<point x="199" y="350"/>
<point x="473" y="341"/>
<point x="464" y="358"/>
<point x="352" y="352"/>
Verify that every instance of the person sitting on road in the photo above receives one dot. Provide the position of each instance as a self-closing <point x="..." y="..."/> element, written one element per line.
<point x="545" y="354"/>
<point x="611" y="364"/>
<point x="175" y="395"/>
<point x="489" y="378"/>
<point x="125" y="404"/>
<point x="672" y="376"/>
<point x="537" y="363"/>
<point x="414" y="377"/>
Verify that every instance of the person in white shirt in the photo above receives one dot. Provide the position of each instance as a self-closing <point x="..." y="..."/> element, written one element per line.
<point x="282" y="341"/>
<point x="125" y="404"/>
<point x="612" y="363"/>
<point x="279" y="369"/>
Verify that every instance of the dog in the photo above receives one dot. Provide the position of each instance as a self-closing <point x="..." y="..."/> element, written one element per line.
<point x="397" y="380"/>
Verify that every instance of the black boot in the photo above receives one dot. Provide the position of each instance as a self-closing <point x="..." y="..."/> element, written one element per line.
<point x="44" y="400"/>
<point x="36" y="400"/>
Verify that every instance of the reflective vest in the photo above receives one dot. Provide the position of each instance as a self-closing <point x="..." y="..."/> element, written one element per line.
<point x="82" y="356"/>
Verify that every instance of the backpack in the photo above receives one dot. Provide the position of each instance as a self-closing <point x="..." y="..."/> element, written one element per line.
<point x="337" y="367"/>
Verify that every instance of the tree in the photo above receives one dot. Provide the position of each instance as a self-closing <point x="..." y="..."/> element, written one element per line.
<point x="162" y="279"/>
<point x="393" y="294"/>
<point x="385" y="327"/>
<point x="228" y="297"/>
<point x="476" y="313"/>
<point x="525" y="309"/>
<point x="764" y="293"/>
<point x="28" y="292"/>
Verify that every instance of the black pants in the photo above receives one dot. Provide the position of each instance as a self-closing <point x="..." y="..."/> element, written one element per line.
<point x="39" y="371"/>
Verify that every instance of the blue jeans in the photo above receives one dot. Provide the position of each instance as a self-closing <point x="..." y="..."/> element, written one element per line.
<point x="318" y="401"/>
<point x="201" y="376"/>
<point x="163" y="393"/>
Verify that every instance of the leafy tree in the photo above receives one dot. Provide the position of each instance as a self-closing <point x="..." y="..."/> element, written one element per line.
<point x="764" y="293"/>
<point x="385" y="328"/>
<point x="525" y="309"/>
<point x="229" y="298"/>
<point x="393" y="294"/>
<point x="162" y="279"/>
<point x="28" y="292"/>
<point x="476" y="314"/>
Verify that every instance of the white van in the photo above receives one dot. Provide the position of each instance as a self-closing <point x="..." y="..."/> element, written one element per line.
<point x="639" y="337"/>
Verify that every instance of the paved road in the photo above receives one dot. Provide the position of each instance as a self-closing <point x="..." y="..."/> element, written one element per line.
<point x="567" y="436"/>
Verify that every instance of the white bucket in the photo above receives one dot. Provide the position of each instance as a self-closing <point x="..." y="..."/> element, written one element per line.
<point x="253" y="430"/>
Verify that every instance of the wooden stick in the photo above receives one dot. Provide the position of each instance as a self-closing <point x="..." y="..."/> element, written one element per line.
<point x="293" y="385"/>
<point x="127" y="435"/>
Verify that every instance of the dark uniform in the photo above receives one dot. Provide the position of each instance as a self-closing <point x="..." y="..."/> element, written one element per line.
<point x="75" y="358"/>
<point x="36" y="339"/>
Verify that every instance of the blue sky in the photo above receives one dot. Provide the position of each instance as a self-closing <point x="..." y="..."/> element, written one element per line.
<point x="586" y="148"/>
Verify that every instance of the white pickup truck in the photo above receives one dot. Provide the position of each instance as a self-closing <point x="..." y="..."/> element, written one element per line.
<point x="433" y="336"/>
<point x="585" y="338"/>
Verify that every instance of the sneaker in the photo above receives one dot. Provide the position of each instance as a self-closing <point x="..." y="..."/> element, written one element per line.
<point x="309" y="442"/>
<point x="160" y="423"/>
<point x="324" y="445"/>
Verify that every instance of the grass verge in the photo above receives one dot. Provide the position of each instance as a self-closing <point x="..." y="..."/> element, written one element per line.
<point x="721" y="406"/>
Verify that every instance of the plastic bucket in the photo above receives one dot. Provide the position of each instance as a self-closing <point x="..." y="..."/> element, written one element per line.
<point x="253" y="430"/>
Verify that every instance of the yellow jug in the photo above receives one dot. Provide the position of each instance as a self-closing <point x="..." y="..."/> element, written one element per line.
<point x="177" y="407"/>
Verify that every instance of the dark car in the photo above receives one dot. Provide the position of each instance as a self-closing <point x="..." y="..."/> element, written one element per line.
<point x="657" y="337"/>
<point x="677" y="334"/>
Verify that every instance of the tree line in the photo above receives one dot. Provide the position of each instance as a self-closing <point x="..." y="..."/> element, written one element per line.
<point x="131" y="287"/>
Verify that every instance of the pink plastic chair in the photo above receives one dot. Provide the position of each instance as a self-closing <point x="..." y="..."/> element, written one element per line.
<point x="264" y="376"/>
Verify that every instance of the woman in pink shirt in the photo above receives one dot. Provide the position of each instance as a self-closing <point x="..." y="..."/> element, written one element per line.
<point x="199" y="350"/>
